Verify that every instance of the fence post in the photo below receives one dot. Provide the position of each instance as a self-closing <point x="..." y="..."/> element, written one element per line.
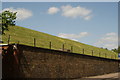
<point x="115" y="56"/>
<point x="111" y="56"/>
<point x="105" y="55"/>
<point x="8" y="39"/>
<point x="99" y="54"/>
<point x="92" y="52"/>
<point x="18" y="42"/>
<point x="71" y="48"/>
<point x="34" y="42"/>
<point x="50" y="45"/>
<point x="63" y="47"/>
<point x="83" y="51"/>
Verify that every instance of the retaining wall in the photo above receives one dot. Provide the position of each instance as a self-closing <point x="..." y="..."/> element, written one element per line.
<point x="44" y="63"/>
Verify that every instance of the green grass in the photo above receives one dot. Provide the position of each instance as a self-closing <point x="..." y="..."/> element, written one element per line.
<point x="26" y="36"/>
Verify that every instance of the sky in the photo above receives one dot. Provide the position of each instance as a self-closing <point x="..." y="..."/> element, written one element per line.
<point x="93" y="23"/>
<point x="60" y="0"/>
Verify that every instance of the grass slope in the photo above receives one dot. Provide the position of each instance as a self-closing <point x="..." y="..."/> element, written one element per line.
<point x="26" y="36"/>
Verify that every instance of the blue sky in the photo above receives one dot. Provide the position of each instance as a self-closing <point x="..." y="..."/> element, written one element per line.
<point x="93" y="23"/>
<point x="60" y="0"/>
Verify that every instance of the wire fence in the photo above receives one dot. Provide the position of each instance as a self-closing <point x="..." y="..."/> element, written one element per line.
<point x="71" y="49"/>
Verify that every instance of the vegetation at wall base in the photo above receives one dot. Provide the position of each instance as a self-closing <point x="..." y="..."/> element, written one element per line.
<point x="28" y="37"/>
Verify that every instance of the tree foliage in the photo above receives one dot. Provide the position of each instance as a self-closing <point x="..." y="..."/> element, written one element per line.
<point x="7" y="19"/>
<point x="116" y="50"/>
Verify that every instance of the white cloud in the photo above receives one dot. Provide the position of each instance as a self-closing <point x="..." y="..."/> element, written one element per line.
<point x="74" y="12"/>
<point x="110" y="46"/>
<point x="111" y="34"/>
<point x="87" y="17"/>
<point x="110" y="37"/>
<point x="53" y="10"/>
<point x="109" y="40"/>
<point x="21" y="13"/>
<point x="74" y="39"/>
<point x="73" y="36"/>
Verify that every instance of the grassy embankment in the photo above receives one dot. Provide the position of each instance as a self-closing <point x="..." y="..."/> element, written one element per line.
<point x="26" y="36"/>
